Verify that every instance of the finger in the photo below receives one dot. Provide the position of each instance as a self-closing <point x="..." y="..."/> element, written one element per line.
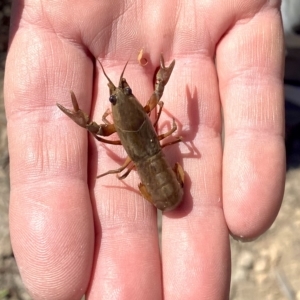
<point x="250" y="68"/>
<point x="51" y="219"/>
<point x="195" y="243"/>
<point x="127" y="259"/>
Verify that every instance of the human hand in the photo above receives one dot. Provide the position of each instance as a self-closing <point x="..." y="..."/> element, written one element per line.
<point x="73" y="234"/>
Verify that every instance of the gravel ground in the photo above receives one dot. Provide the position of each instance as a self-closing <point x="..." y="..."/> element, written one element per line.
<point x="267" y="268"/>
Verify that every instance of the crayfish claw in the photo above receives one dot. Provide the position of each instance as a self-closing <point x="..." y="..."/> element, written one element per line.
<point x="164" y="72"/>
<point x="77" y="115"/>
<point x="162" y="77"/>
<point x="74" y="101"/>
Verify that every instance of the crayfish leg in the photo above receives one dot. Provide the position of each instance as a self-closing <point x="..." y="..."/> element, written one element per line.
<point x="164" y="135"/>
<point x="179" y="172"/>
<point x="126" y="173"/>
<point x="126" y="163"/>
<point x="145" y="193"/>
<point x="151" y="104"/>
<point x="161" y="104"/>
<point x="105" y="115"/>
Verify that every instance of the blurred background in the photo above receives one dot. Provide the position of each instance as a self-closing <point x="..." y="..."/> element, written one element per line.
<point x="268" y="268"/>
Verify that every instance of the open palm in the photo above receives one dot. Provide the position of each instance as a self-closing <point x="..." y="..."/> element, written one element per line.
<point x="73" y="234"/>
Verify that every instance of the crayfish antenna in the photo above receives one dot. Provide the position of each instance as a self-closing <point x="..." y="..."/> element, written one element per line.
<point x="111" y="85"/>
<point x="121" y="77"/>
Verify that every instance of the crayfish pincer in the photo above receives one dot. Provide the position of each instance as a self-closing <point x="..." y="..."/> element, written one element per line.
<point x="160" y="184"/>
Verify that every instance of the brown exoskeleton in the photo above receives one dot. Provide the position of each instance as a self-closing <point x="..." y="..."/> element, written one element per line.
<point x="160" y="184"/>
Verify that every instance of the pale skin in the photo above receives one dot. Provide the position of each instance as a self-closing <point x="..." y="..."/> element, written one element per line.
<point x="73" y="234"/>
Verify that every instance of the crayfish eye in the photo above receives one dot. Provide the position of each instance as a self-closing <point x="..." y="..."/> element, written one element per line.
<point x="113" y="99"/>
<point x="127" y="91"/>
